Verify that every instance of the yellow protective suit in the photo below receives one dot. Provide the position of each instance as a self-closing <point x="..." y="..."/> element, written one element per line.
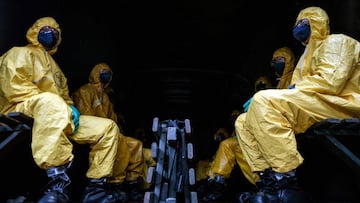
<point x="326" y="82"/>
<point x="32" y="83"/>
<point x="92" y="99"/>
<point x="229" y="149"/>
<point x="203" y="169"/>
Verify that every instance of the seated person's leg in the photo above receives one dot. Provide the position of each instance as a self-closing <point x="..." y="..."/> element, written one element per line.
<point x="220" y="170"/>
<point x="104" y="146"/>
<point x="135" y="171"/>
<point x="271" y="148"/>
<point x="239" y="155"/>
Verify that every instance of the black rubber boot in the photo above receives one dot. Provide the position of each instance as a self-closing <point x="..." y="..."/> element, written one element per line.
<point x="217" y="189"/>
<point x="118" y="190"/>
<point x="98" y="192"/>
<point x="202" y="188"/>
<point x="57" y="190"/>
<point x="135" y="193"/>
<point x="274" y="187"/>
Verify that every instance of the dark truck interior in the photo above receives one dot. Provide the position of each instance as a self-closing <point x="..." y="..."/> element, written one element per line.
<point x="193" y="60"/>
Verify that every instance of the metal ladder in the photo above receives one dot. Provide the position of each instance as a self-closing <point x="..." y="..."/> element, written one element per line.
<point x="172" y="177"/>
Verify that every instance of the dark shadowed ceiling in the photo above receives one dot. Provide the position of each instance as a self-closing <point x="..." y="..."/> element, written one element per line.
<point x="173" y="59"/>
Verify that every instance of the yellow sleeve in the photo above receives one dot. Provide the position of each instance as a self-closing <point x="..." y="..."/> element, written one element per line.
<point x="331" y="66"/>
<point x="83" y="100"/>
<point x="17" y="71"/>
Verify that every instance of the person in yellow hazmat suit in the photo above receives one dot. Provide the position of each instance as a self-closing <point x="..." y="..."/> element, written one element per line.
<point x="283" y="64"/>
<point x="203" y="166"/>
<point x="32" y="83"/>
<point x="229" y="152"/>
<point x="325" y="84"/>
<point x="92" y="99"/>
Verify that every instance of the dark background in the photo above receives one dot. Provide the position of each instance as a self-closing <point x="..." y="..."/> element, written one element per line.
<point x="193" y="59"/>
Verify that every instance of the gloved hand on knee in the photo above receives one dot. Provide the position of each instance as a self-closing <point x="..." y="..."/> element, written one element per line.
<point x="75" y="115"/>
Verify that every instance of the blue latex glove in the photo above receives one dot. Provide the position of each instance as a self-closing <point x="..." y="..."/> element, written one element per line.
<point x="292" y="86"/>
<point x="75" y="115"/>
<point x="247" y="104"/>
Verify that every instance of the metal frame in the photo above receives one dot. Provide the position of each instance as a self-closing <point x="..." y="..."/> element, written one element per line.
<point x="172" y="176"/>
